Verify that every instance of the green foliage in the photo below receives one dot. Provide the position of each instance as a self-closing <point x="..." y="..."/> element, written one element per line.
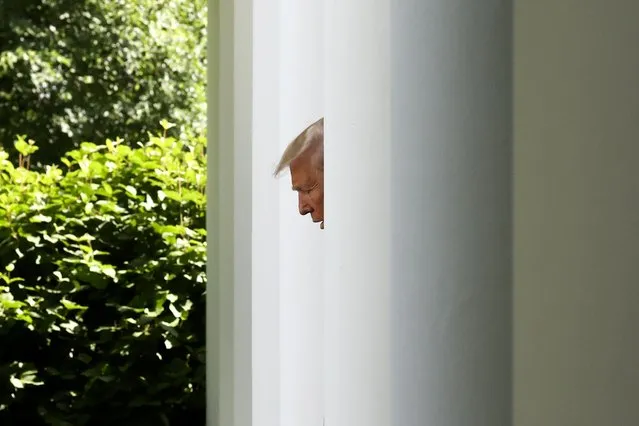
<point x="102" y="276"/>
<point x="77" y="70"/>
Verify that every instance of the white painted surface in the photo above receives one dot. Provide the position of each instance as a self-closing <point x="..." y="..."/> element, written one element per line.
<point x="418" y="156"/>
<point x="576" y="217"/>
<point x="215" y="381"/>
<point x="267" y="385"/>
<point x="265" y="311"/>
<point x="300" y="241"/>
<point x="357" y="210"/>
<point x="451" y="270"/>
<point x="229" y="219"/>
<point x="414" y="329"/>
<point x="242" y="215"/>
<point x="577" y="213"/>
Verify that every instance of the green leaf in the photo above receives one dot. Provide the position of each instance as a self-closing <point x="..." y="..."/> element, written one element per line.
<point x="40" y="218"/>
<point x="17" y="383"/>
<point x="106" y="238"/>
<point x="85" y="358"/>
<point x="131" y="190"/>
<point x="166" y="125"/>
<point x="109" y="272"/>
<point x="25" y="147"/>
<point x="72" y="305"/>
<point x="174" y="311"/>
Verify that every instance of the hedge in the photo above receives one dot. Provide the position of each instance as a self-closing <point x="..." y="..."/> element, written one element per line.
<point x="102" y="282"/>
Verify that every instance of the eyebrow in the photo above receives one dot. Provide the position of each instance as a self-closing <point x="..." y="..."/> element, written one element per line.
<point x="304" y="187"/>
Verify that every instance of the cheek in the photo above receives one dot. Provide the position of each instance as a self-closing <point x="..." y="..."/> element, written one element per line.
<point x="305" y="200"/>
<point x="317" y="199"/>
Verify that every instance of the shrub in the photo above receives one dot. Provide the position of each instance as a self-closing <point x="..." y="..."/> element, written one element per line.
<point x="102" y="276"/>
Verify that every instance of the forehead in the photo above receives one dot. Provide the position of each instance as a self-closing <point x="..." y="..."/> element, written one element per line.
<point x="302" y="171"/>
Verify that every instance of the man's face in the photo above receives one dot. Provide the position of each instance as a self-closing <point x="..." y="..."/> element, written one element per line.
<point x="308" y="182"/>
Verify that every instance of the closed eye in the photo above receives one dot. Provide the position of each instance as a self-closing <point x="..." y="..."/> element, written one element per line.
<point x="303" y="190"/>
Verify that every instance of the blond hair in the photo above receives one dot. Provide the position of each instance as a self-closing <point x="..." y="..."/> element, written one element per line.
<point x="312" y="138"/>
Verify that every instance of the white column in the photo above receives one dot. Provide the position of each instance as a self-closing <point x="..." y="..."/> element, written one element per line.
<point x="265" y="210"/>
<point x="266" y="261"/>
<point x="577" y="213"/>
<point x="418" y="241"/>
<point x="301" y="241"/>
<point x="213" y="296"/>
<point x="357" y="210"/>
<point x="229" y="215"/>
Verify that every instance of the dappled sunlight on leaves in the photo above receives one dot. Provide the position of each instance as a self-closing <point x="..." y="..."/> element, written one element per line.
<point x="102" y="281"/>
<point x="77" y="70"/>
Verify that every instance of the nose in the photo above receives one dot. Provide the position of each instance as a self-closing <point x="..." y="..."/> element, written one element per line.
<point x="303" y="205"/>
